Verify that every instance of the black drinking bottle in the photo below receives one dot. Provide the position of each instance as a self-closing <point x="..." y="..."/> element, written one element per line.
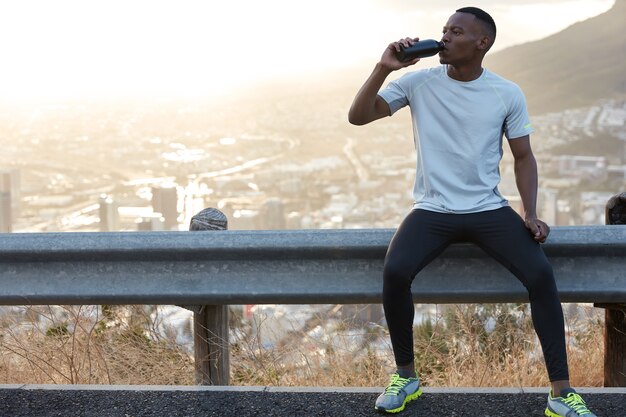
<point x="421" y="49"/>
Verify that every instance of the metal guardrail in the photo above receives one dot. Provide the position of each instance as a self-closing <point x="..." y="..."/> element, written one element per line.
<point x="285" y="267"/>
<point x="208" y="271"/>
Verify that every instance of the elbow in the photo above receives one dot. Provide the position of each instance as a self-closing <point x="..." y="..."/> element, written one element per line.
<point x="361" y="115"/>
<point x="352" y="117"/>
<point x="355" y="120"/>
<point x="525" y="159"/>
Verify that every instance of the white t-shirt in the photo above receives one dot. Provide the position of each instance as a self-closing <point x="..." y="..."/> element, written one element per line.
<point x="458" y="128"/>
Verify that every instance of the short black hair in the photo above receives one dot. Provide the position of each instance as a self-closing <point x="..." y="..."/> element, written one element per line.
<point x="484" y="17"/>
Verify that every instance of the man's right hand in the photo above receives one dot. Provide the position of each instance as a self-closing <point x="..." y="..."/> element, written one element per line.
<point x="389" y="59"/>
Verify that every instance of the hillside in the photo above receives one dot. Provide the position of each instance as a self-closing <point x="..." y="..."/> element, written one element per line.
<point x="575" y="67"/>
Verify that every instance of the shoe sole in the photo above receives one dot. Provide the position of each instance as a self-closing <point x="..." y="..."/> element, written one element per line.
<point x="407" y="400"/>
<point x="551" y="413"/>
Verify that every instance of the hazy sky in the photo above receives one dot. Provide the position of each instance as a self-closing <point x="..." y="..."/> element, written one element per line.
<point x="134" y="47"/>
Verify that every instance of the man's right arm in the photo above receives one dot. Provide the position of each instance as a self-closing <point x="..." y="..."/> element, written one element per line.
<point x="368" y="105"/>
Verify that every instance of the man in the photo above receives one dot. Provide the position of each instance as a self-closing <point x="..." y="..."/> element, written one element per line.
<point x="460" y="112"/>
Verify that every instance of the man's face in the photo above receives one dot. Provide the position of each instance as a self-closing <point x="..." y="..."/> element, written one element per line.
<point x="461" y="35"/>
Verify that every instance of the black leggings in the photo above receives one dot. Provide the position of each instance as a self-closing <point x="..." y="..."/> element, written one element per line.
<point x="423" y="235"/>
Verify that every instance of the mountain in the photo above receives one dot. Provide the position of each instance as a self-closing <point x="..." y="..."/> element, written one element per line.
<point x="573" y="68"/>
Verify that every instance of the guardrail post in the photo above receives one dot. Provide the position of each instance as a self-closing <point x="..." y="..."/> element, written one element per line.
<point x="211" y="347"/>
<point x="615" y="314"/>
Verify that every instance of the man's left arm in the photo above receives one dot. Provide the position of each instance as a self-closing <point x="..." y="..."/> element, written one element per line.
<point x="526" y="180"/>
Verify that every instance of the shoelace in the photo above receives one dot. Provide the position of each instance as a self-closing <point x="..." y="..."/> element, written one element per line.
<point x="396" y="384"/>
<point x="576" y="402"/>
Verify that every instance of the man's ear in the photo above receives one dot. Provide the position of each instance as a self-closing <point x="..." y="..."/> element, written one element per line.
<point x="483" y="43"/>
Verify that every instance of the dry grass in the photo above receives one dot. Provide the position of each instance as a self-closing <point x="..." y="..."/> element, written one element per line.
<point x="89" y="345"/>
<point x="509" y="355"/>
<point x="80" y="345"/>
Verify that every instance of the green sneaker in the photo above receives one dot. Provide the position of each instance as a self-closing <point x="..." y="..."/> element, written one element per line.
<point x="569" y="404"/>
<point x="398" y="393"/>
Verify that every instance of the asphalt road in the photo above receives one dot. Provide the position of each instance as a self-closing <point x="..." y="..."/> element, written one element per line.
<point x="73" y="402"/>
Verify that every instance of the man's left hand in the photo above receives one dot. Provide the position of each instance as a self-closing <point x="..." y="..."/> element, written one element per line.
<point x="539" y="229"/>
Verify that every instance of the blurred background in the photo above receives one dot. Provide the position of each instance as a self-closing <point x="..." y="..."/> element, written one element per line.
<point x="136" y="115"/>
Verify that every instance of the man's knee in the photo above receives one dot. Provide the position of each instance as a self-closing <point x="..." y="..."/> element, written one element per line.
<point x="540" y="277"/>
<point x="396" y="277"/>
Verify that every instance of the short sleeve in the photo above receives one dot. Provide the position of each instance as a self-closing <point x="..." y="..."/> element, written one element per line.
<point x="395" y="94"/>
<point x="517" y="123"/>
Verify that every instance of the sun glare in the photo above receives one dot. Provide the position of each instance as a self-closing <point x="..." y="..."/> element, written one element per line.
<point x="73" y="48"/>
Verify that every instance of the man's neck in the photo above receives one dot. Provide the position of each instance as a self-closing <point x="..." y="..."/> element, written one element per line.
<point x="468" y="73"/>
